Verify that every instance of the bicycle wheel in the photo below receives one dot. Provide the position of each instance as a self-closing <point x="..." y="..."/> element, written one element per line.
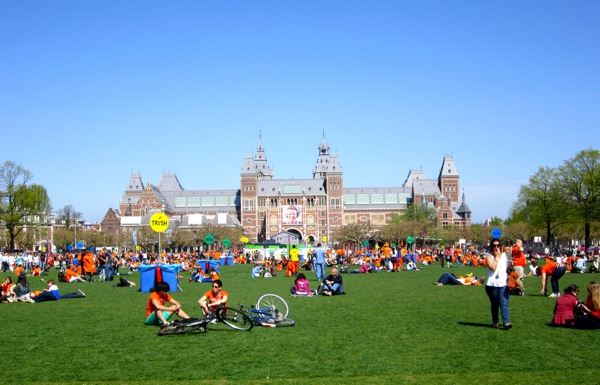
<point x="272" y="323"/>
<point x="235" y="319"/>
<point x="179" y="329"/>
<point x="274" y="305"/>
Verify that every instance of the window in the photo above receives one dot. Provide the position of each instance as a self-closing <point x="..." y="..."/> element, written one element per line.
<point x="262" y="202"/>
<point x="208" y="201"/>
<point x="391" y="199"/>
<point x="335" y="203"/>
<point x="222" y="201"/>
<point x="248" y="205"/>
<point x="362" y="199"/>
<point x="349" y="199"/>
<point x="322" y="201"/>
<point x="180" y="202"/>
<point x="193" y="202"/>
<point x="273" y="202"/>
<point x="376" y="199"/>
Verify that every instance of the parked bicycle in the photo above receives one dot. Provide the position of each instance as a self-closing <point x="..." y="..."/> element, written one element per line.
<point x="234" y="318"/>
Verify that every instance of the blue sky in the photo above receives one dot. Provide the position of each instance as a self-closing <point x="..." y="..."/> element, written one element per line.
<point x="93" y="91"/>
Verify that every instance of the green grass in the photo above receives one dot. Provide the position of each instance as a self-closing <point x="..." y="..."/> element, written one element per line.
<point x="390" y="328"/>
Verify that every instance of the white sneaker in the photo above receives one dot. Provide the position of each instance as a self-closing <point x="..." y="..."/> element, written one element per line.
<point x="553" y="295"/>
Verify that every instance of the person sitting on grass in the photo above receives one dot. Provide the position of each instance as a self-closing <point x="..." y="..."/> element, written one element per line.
<point x="72" y="276"/>
<point x="564" y="310"/>
<point x="51" y="294"/>
<point x="515" y="284"/>
<point x="333" y="284"/>
<point x="590" y="319"/>
<point x="257" y="271"/>
<point x="301" y="286"/>
<point x="212" y="299"/>
<point x="157" y="313"/>
<point x="451" y="279"/>
<point x="197" y="275"/>
<point x="7" y="291"/>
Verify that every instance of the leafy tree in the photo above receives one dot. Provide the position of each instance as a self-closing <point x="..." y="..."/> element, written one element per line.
<point x="580" y="177"/>
<point x="20" y="201"/>
<point x="68" y="214"/>
<point x="353" y="232"/>
<point x="542" y="201"/>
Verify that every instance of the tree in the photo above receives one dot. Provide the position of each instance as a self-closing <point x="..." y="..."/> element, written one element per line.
<point x="20" y="202"/>
<point x="67" y="214"/>
<point x="580" y="178"/>
<point x="542" y="201"/>
<point x="353" y="232"/>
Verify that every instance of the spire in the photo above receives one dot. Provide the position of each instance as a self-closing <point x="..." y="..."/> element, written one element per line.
<point x="464" y="211"/>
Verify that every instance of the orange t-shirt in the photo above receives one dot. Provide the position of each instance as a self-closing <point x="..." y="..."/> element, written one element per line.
<point x="162" y="298"/>
<point x="518" y="256"/>
<point x="549" y="268"/>
<point x="212" y="297"/>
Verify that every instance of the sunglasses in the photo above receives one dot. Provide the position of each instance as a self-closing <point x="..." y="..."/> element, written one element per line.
<point x="496" y="245"/>
<point x="216" y="287"/>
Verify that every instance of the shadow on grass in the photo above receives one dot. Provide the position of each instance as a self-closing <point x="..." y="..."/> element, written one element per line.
<point x="476" y="324"/>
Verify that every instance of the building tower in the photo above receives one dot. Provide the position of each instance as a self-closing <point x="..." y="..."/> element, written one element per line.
<point x="448" y="180"/>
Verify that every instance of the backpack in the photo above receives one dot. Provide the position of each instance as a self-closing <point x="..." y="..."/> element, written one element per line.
<point x="62" y="276"/>
<point x="302" y="286"/>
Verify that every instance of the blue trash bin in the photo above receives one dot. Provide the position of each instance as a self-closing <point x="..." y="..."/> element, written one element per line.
<point x="147" y="277"/>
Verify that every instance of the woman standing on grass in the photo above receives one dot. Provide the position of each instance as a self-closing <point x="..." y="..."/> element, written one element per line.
<point x="496" y="288"/>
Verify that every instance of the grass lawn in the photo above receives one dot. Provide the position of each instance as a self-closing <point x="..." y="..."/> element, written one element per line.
<point x="391" y="328"/>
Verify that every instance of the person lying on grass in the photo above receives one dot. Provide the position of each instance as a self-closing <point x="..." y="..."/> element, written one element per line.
<point x="157" y="313"/>
<point x="451" y="279"/>
<point x="51" y="294"/>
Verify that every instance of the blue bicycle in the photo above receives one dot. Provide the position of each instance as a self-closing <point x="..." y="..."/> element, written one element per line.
<point x="270" y="311"/>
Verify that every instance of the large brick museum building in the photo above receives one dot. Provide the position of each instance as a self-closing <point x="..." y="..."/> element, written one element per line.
<point x="309" y="208"/>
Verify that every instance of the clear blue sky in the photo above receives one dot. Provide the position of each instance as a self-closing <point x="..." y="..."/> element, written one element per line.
<point x="91" y="91"/>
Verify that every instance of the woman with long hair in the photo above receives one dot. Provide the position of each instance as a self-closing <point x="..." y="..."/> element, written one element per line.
<point x="590" y="319"/>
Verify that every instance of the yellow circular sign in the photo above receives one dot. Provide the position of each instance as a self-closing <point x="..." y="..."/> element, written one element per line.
<point x="138" y="247"/>
<point x="159" y="222"/>
<point x="324" y="239"/>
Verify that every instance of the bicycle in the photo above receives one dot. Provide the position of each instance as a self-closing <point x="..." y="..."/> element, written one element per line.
<point x="234" y="318"/>
<point x="270" y="311"/>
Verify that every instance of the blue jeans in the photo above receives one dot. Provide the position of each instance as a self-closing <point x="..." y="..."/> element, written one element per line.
<point x="109" y="271"/>
<point x="449" y="279"/>
<point x="498" y="299"/>
<point x="320" y="270"/>
<point x="558" y="273"/>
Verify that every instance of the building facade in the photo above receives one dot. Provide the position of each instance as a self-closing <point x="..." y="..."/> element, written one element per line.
<point x="313" y="209"/>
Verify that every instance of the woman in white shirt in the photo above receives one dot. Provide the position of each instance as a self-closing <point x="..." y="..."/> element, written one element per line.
<point x="496" y="286"/>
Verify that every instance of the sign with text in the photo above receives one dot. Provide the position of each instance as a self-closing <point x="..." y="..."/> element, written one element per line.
<point x="159" y="222"/>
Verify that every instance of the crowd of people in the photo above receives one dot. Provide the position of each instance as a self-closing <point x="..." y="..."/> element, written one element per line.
<point x="506" y="267"/>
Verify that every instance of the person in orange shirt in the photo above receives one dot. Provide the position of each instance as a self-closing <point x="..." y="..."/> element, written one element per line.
<point x="212" y="299"/>
<point x="518" y="256"/>
<point x="18" y="270"/>
<point x="36" y="271"/>
<point x="89" y="266"/>
<point x="386" y="250"/>
<point x="72" y="276"/>
<point x="157" y="313"/>
<point x="555" y="271"/>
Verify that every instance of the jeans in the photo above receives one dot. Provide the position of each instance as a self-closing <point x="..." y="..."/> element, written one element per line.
<point x="449" y="279"/>
<point x="320" y="270"/>
<point x="498" y="299"/>
<point x="109" y="271"/>
<point x="44" y="296"/>
<point x="558" y="273"/>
